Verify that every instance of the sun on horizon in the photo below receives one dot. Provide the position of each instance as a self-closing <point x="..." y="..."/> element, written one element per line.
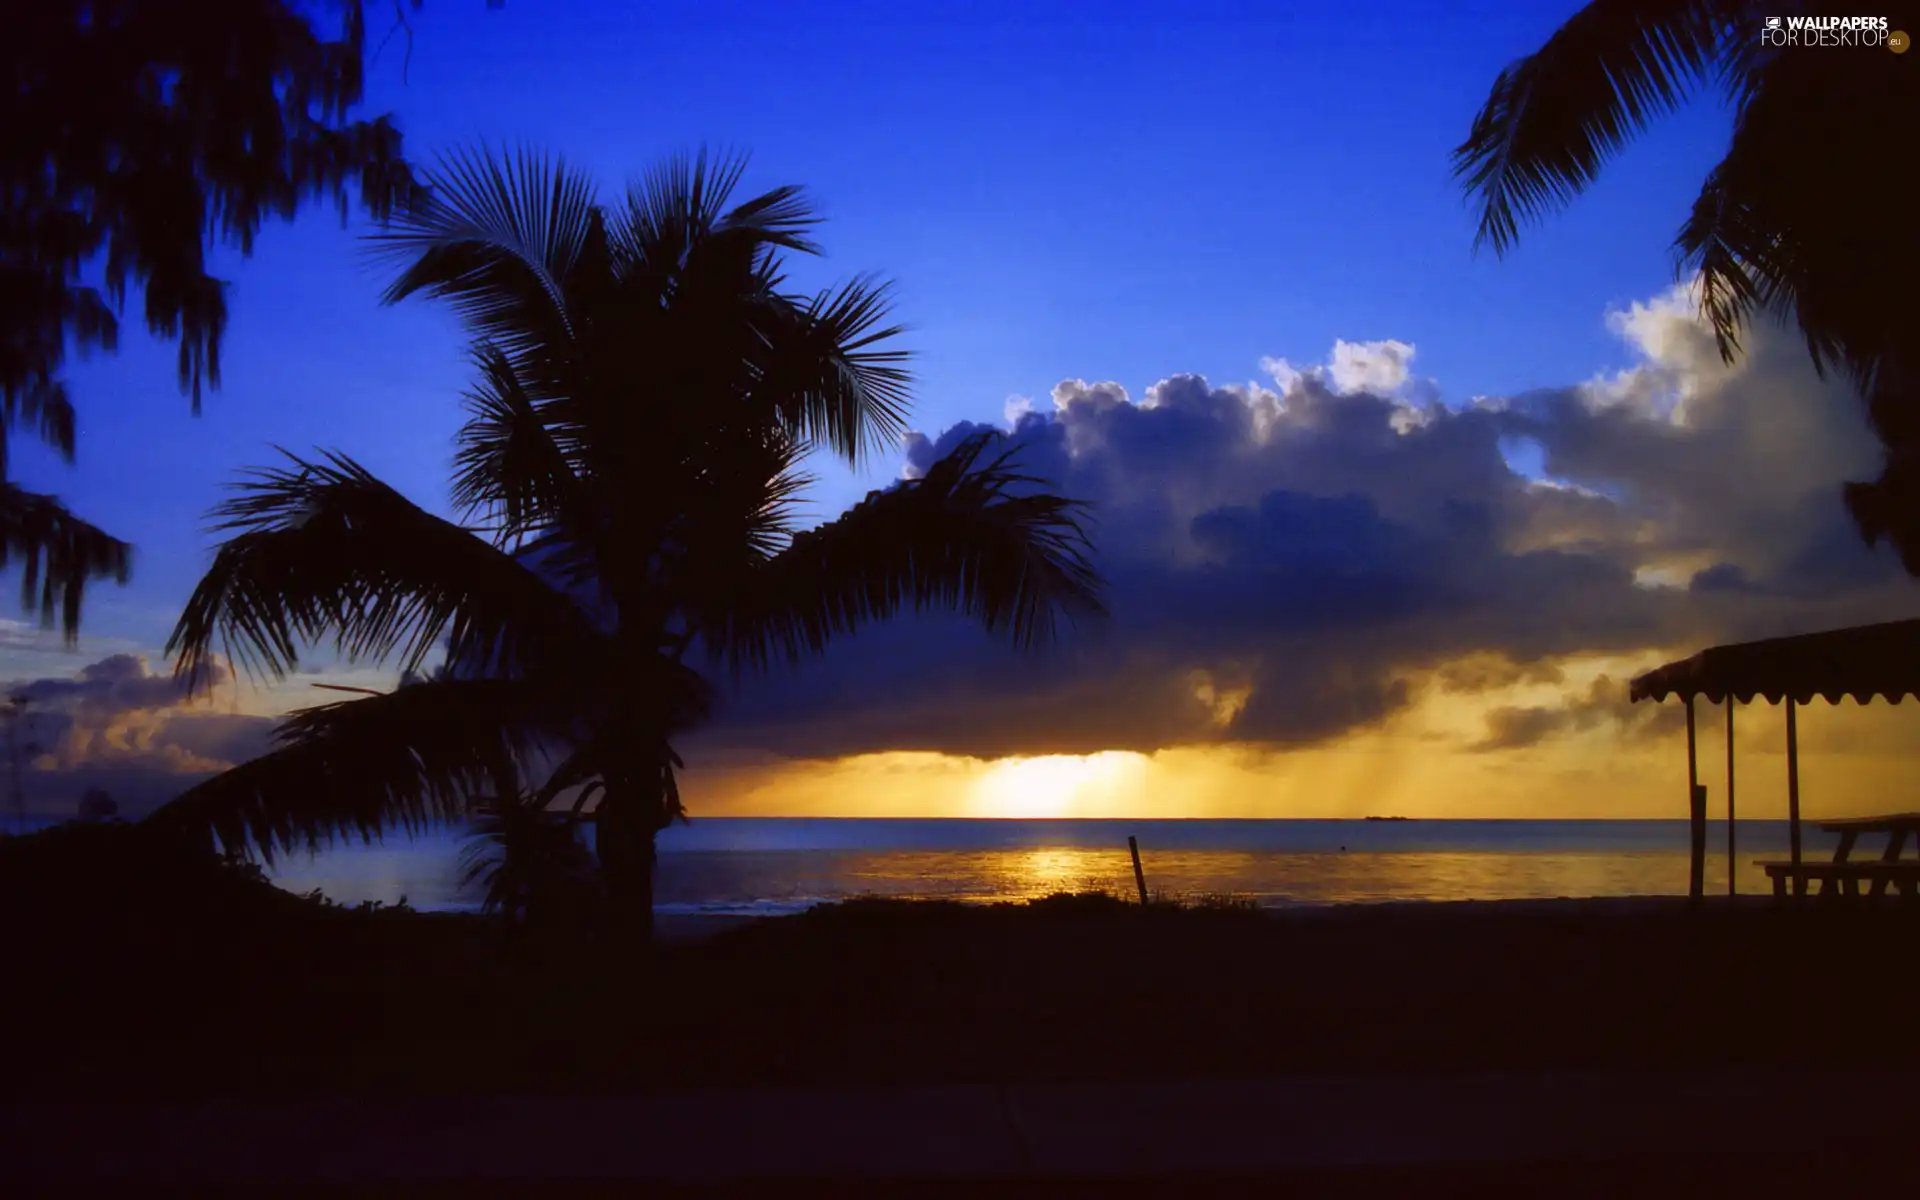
<point x="1054" y="785"/>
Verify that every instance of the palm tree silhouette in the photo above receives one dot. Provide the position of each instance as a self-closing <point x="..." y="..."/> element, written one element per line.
<point x="528" y="862"/>
<point x="1802" y="215"/>
<point x="646" y="392"/>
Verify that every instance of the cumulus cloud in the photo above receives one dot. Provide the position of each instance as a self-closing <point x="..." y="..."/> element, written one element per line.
<point x="120" y="725"/>
<point x="1292" y="563"/>
<point x="1382" y="369"/>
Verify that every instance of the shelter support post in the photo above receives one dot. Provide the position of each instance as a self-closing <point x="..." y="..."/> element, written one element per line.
<point x="1697" y="808"/>
<point x="1793" y="795"/>
<point x="1732" y="871"/>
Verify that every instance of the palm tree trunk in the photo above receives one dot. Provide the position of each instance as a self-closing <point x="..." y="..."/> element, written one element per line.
<point x="623" y="838"/>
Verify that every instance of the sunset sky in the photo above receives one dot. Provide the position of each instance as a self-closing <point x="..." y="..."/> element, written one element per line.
<point x="1387" y="525"/>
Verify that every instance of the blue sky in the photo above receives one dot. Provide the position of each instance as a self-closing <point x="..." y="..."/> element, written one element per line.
<point x="1157" y="189"/>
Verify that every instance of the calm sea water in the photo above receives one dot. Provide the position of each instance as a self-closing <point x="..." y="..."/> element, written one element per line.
<point x="770" y="866"/>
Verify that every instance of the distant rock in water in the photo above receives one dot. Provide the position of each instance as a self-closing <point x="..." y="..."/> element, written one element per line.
<point x="1389" y="818"/>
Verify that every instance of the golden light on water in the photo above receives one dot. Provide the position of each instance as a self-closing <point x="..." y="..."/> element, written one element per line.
<point x="1040" y="872"/>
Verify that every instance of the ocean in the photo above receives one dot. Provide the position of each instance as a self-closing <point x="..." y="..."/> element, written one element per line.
<point x="769" y="866"/>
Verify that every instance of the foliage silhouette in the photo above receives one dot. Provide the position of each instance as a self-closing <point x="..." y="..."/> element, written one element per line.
<point x="123" y="868"/>
<point x="645" y="393"/>
<point x="138" y="130"/>
<point x="1802" y="215"/>
<point x="529" y="864"/>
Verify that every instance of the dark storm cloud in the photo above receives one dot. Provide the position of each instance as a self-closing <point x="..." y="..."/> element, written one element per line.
<point x="1289" y="564"/>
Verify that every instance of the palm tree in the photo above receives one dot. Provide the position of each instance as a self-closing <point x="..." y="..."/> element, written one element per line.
<point x="1803" y="215"/>
<point x="528" y="862"/>
<point x="646" y="390"/>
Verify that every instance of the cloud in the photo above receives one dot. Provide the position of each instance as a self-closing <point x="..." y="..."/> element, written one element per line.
<point x="119" y="683"/>
<point x="18" y="635"/>
<point x="122" y="726"/>
<point x="1383" y="368"/>
<point x="1603" y="704"/>
<point x="1293" y="564"/>
<point x="1487" y="672"/>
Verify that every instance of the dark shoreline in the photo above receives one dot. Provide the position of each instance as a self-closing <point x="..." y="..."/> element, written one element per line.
<point x="150" y="972"/>
<point x="209" y="1010"/>
<point x="680" y="928"/>
<point x="892" y="993"/>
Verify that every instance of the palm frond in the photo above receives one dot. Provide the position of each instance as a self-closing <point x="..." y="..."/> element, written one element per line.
<point x="500" y="237"/>
<point x="766" y="513"/>
<point x="1889" y="507"/>
<point x="323" y="547"/>
<point x="1793" y="218"/>
<point x="828" y="374"/>
<point x="734" y="257"/>
<point x="980" y="539"/>
<point x="578" y="769"/>
<point x="779" y="217"/>
<point x="513" y="469"/>
<point x="742" y="502"/>
<point x="1796" y="218"/>
<point x="1737" y="238"/>
<point x="526" y="861"/>
<point x="42" y="408"/>
<point x="1555" y="118"/>
<point x="1739" y="259"/>
<point x="611" y="755"/>
<point x="59" y="555"/>
<point x="674" y="204"/>
<point x="674" y="239"/>
<point x="408" y="758"/>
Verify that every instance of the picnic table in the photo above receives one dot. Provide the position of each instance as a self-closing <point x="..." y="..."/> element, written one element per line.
<point x="1844" y="874"/>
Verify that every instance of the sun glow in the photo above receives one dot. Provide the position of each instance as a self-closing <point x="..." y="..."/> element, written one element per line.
<point x="1054" y="785"/>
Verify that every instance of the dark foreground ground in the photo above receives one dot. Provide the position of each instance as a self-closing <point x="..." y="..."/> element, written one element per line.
<point x="1603" y="1134"/>
<point x="1740" y="1042"/>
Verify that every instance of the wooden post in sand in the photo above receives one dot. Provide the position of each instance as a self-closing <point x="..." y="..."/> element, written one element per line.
<point x="1732" y="871"/>
<point x="1793" y="798"/>
<point x="1139" y="876"/>
<point x="1697" y="811"/>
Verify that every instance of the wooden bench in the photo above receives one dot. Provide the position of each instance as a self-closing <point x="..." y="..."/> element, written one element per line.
<point x="1845" y="878"/>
